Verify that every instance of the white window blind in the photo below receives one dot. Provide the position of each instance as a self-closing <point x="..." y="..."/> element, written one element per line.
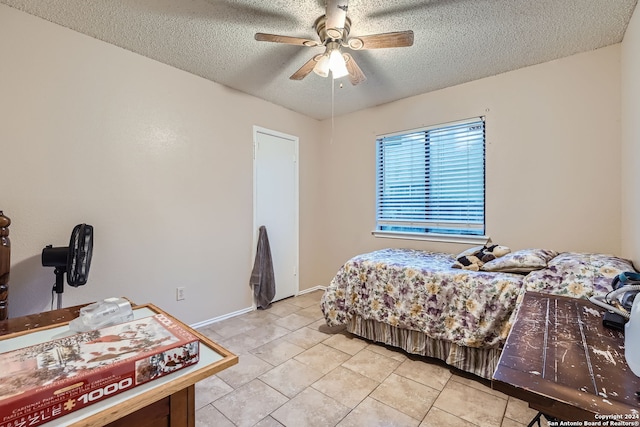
<point x="432" y="180"/>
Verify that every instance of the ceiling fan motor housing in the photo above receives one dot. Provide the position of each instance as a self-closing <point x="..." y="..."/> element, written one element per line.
<point x="320" y="26"/>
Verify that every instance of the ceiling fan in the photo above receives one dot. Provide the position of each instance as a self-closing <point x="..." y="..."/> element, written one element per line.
<point x="333" y="30"/>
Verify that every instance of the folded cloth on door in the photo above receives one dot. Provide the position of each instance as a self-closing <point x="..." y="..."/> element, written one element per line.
<point x="262" y="277"/>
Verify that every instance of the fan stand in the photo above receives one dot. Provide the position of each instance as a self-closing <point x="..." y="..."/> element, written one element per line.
<point x="59" y="286"/>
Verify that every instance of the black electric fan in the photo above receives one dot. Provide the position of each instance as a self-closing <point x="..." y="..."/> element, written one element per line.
<point x="73" y="260"/>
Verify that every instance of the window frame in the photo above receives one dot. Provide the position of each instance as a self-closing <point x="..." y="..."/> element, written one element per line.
<point x="431" y="236"/>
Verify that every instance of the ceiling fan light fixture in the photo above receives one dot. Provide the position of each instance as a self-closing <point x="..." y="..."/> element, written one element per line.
<point x="333" y="30"/>
<point x="337" y="64"/>
<point x="322" y="66"/>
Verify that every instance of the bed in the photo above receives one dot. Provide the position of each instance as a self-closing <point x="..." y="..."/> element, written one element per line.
<point x="417" y="301"/>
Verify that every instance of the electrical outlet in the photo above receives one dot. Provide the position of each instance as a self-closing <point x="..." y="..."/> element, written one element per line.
<point x="179" y="294"/>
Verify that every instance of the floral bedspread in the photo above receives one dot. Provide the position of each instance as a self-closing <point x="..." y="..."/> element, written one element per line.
<point x="578" y="275"/>
<point x="420" y="290"/>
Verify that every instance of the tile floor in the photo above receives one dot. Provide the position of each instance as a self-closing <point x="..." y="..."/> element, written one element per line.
<point x="294" y="371"/>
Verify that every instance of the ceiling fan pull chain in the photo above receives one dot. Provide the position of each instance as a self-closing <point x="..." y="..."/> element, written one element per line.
<point x="333" y="90"/>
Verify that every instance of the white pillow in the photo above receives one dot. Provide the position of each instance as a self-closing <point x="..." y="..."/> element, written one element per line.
<point x="522" y="261"/>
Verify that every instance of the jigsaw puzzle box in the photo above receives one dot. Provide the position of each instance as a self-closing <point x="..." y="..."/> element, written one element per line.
<point x="45" y="381"/>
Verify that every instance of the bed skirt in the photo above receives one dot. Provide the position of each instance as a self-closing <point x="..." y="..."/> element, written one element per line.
<point x="478" y="361"/>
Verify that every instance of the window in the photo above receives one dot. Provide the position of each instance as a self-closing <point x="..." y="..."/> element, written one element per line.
<point x="430" y="181"/>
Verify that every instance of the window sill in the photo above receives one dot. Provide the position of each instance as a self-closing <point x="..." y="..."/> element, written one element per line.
<point x="432" y="237"/>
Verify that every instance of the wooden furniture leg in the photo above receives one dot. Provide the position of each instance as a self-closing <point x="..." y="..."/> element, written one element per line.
<point x="183" y="407"/>
<point x="177" y="410"/>
<point x="5" y="264"/>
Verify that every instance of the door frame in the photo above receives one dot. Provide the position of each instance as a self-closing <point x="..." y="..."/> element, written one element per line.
<point x="295" y="140"/>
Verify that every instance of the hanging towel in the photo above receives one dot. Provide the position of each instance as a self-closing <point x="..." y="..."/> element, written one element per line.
<point x="262" y="277"/>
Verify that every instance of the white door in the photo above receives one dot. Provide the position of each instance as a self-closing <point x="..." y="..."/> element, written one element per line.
<point x="275" y="190"/>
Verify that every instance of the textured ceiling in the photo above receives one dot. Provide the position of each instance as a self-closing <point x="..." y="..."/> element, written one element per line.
<point x="456" y="41"/>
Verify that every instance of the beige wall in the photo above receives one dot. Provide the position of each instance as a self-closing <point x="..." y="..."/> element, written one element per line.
<point x="631" y="140"/>
<point x="159" y="161"/>
<point x="553" y="157"/>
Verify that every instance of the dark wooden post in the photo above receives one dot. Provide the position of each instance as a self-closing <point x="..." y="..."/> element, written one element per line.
<point x="5" y="264"/>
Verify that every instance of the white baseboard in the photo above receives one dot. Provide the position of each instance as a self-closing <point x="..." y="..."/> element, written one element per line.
<point x="223" y="317"/>
<point x="246" y="310"/>
<point x="315" y="288"/>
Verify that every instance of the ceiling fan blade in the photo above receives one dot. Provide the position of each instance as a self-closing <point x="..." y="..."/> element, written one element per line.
<point x="262" y="37"/>
<point x="336" y="16"/>
<point x="355" y="73"/>
<point x="305" y="69"/>
<point x="379" y="41"/>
